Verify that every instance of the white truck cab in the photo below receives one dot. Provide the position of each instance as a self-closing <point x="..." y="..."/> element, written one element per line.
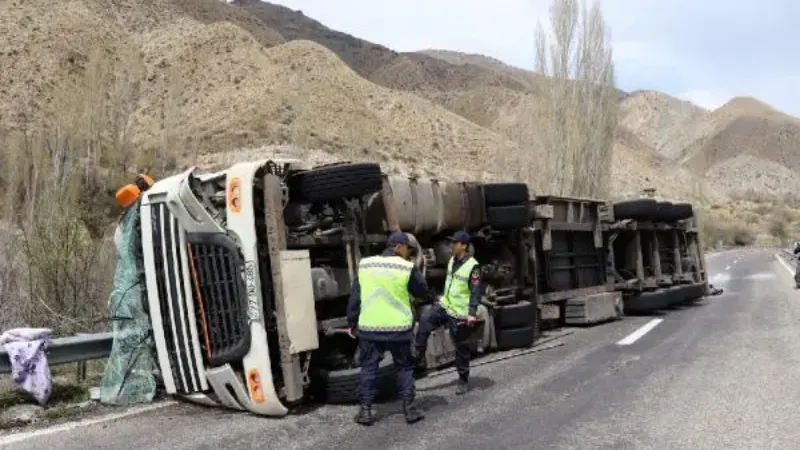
<point x="205" y="289"/>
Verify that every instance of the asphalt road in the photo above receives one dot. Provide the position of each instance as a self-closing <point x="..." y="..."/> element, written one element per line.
<point x="721" y="374"/>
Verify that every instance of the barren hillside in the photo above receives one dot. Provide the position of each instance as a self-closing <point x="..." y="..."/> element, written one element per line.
<point x="666" y="124"/>
<point x="46" y="45"/>
<point x="299" y="91"/>
<point x="215" y="77"/>
<point x="747" y="127"/>
<point x="210" y="85"/>
<point x="531" y="80"/>
<point x="383" y="66"/>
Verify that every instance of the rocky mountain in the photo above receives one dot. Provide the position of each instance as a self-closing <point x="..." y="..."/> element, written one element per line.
<point x="208" y="78"/>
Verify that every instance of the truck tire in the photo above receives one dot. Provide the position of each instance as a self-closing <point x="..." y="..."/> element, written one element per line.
<point x="676" y="295"/>
<point x="336" y="181"/>
<point x="694" y="293"/>
<point x="508" y="217"/>
<point x="474" y="206"/>
<point x="663" y="212"/>
<point x="645" y="302"/>
<point x="515" y="337"/>
<point x="522" y="314"/>
<point x="639" y="209"/>
<point x="503" y="194"/>
<point x="344" y="386"/>
<point x="681" y="211"/>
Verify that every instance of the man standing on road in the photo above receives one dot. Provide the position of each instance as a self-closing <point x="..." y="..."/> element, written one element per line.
<point x="456" y="309"/>
<point x="380" y="308"/>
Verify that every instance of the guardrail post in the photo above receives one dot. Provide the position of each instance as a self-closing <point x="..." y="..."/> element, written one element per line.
<point x="80" y="372"/>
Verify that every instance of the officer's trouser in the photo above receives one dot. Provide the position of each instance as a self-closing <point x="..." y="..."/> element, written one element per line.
<point x="370" y="355"/>
<point x="459" y="332"/>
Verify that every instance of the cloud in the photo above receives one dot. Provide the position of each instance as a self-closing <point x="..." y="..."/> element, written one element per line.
<point x="706" y="51"/>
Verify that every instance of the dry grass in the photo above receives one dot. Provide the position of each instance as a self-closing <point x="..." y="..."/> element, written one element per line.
<point x="748" y="222"/>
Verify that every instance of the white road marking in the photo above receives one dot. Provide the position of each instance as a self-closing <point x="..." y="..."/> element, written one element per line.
<point x="761" y="276"/>
<point x="636" y="335"/>
<point x="24" y="436"/>
<point x="785" y="264"/>
<point x="727" y="267"/>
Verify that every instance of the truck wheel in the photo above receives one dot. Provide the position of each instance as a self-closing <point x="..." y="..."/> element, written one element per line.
<point x="681" y="211"/>
<point x="336" y="181"/>
<point x="645" y="302"/>
<point x="344" y="386"/>
<point x="501" y="194"/>
<point x="515" y="337"/>
<point x="508" y="217"/>
<point x="676" y="295"/>
<point x="522" y="314"/>
<point x="475" y="207"/>
<point x="644" y="208"/>
<point x="663" y="212"/>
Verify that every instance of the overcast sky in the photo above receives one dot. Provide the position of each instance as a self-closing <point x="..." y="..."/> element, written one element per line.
<point x="706" y="51"/>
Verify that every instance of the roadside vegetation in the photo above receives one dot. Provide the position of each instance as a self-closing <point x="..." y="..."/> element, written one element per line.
<point x="751" y="220"/>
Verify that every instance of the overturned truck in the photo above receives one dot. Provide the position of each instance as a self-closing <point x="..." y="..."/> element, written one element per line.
<point x="248" y="271"/>
<point x="656" y="258"/>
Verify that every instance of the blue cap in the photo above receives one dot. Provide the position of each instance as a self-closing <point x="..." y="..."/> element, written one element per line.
<point x="460" y="236"/>
<point x="397" y="238"/>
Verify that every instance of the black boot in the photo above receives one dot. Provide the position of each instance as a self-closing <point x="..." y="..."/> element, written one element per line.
<point x="411" y="412"/>
<point x="463" y="387"/>
<point x="365" y="416"/>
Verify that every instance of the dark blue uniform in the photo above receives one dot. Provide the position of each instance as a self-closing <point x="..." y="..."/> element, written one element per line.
<point x="797" y="269"/>
<point x="373" y="344"/>
<point x="436" y="317"/>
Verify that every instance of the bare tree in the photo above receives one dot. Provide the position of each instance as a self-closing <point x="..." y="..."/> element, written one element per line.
<point x="578" y="116"/>
<point x="57" y="268"/>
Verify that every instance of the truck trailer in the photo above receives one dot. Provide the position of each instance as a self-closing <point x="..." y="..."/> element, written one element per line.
<point x="248" y="271"/>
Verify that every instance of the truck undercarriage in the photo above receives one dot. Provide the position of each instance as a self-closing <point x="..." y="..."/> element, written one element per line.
<point x="248" y="271"/>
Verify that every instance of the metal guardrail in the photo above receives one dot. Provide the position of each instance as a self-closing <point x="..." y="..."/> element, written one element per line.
<point x="788" y="256"/>
<point x="71" y="349"/>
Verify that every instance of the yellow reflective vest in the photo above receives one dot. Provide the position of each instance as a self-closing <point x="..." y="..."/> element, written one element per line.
<point x="456" y="289"/>
<point x="385" y="300"/>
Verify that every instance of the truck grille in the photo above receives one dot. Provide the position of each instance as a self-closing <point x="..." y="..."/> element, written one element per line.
<point x="174" y="298"/>
<point x="218" y="270"/>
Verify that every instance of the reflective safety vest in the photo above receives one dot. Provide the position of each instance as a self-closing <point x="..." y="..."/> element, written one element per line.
<point x="385" y="300"/>
<point x="456" y="289"/>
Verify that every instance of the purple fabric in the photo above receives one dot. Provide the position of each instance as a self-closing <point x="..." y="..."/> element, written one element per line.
<point x="29" y="369"/>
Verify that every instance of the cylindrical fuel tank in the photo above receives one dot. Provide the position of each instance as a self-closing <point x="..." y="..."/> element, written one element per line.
<point x="426" y="206"/>
<point x="417" y="204"/>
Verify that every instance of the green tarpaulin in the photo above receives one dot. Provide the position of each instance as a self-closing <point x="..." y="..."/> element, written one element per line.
<point x="128" y="376"/>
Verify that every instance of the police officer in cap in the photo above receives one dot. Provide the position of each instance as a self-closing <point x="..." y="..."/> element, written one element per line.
<point x="457" y="308"/>
<point x="380" y="308"/>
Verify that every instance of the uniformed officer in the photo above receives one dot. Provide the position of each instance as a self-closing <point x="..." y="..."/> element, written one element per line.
<point x="796" y="253"/>
<point x="380" y="308"/>
<point x="456" y="309"/>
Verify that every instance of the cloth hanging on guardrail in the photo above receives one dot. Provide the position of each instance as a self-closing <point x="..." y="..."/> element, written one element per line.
<point x="26" y="348"/>
<point x="128" y="376"/>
